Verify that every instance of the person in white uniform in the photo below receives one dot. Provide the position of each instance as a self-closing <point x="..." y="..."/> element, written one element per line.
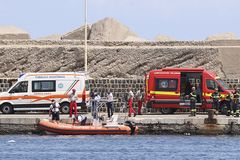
<point x="54" y="111"/>
<point x="110" y="104"/>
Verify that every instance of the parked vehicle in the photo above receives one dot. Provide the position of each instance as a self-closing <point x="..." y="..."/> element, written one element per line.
<point x="34" y="91"/>
<point x="168" y="88"/>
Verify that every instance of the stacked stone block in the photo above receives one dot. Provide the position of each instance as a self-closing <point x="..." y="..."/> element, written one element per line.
<point x="232" y="82"/>
<point x="6" y="83"/>
<point x="118" y="87"/>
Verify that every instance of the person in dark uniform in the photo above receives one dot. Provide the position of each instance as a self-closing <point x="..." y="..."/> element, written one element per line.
<point x="216" y="99"/>
<point x="193" y="98"/>
<point x="188" y="88"/>
<point x="199" y="93"/>
<point x="229" y="99"/>
<point x="236" y="101"/>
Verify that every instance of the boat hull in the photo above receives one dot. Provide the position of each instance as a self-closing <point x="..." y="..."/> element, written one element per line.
<point x="69" y="129"/>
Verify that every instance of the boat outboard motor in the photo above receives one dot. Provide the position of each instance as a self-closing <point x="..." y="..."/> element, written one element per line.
<point x="132" y="126"/>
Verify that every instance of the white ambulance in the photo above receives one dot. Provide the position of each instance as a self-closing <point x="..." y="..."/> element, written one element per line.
<point x="34" y="91"/>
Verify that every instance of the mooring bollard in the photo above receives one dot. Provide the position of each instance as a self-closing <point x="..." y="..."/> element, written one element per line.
<point x="210" y="119"/>
<point x="211" y="113"/>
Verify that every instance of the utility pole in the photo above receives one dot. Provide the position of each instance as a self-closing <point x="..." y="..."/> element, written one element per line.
<point x="86" y="49"/>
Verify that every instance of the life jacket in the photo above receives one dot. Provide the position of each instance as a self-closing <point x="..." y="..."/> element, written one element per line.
<point x="193" y="95"/>
<point x="54" y="108"/>
<point x="236" y="97"/>
<point x="229" y="97"/>
<point x="215" y="96"/>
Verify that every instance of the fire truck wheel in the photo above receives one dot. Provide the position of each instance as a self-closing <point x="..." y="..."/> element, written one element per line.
<point x="65" y="108"/>
<point x="167" y="110"/>
<point x="7" y="109"/>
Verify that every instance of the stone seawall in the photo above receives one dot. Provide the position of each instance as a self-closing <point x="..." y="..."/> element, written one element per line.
<point x="118" y="43"/>
<point x="182" y="124"/>
<point x="18" y="125"/>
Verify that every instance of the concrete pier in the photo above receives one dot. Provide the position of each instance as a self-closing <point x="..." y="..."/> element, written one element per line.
<point x="183" y="124"/>
<point x="148" y="124"/>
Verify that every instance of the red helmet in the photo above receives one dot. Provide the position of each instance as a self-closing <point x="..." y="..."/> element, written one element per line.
<point x="74" y="90"/>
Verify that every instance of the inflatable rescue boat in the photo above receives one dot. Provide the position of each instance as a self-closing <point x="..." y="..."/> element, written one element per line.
<point x="128" y="128"/>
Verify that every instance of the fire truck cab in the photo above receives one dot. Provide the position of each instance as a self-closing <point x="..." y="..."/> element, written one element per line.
<point x="168" y="88"/>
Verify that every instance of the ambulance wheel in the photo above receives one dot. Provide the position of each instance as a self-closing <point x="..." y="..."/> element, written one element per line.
<point x="167" y="110"/>
<point x="7" y="109"/>
<point x="65" y="108"/>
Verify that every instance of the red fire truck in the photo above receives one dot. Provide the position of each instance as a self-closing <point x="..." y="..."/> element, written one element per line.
<point x="168" y="88"/>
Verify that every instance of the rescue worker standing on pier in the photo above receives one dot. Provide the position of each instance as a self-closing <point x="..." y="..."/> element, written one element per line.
<point x="110" y="104"/>
<point x="229" y="99"/>
<point x="72" y="96"/>
<point x="236" y="101"/>
<point x="216" y="99"/>
<point x="130" y="102"/>
<point x="193" y="99"/>
<point x="95" y="107"/>
<point x="140" y="99"/>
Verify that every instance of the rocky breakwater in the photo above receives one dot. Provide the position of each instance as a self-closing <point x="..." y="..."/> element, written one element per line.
<point x="108" y="59"/>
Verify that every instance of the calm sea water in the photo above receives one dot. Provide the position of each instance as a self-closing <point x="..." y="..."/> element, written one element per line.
<point x="23" y="147"/>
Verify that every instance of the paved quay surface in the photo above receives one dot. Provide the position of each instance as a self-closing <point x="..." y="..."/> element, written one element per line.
<point x="148" y="124"/>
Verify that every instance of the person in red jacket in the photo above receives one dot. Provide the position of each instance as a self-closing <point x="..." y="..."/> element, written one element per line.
<point x="72" y="96"/>
<point x="140" y="99"/>
<point x="130" y="102"/>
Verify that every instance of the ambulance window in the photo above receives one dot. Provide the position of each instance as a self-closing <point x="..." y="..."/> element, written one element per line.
<point x="20" y="87"/>
<point x="43" y="86"/>
<point x="211" y="84"/>
<point x="166" y="84"/>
